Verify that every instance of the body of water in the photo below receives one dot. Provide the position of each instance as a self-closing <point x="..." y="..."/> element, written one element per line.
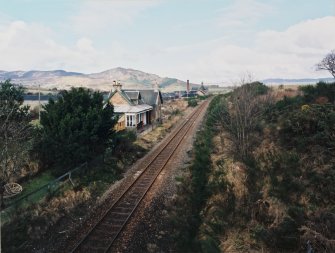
<point x="35" y="97"/>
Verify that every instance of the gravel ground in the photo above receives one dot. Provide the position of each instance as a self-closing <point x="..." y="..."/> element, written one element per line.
<point x="149" y="230"/>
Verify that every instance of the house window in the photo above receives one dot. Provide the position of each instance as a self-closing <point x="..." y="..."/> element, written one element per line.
<point x="140" y="117"/>
<point x="130" y="120"/>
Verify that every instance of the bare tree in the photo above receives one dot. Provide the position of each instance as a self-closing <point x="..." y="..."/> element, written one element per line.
<point x="14" y="132"/>
<point x="240" y="114"/>
<point x="328" y="63"/>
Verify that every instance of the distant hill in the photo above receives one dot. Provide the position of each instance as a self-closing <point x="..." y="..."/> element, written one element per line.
<point x="296" y="81"/>
<point x="62" y="79"/>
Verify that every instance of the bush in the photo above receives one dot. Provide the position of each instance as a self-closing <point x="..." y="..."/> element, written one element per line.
<point x="192" y="102"/>
<point x="75" y="128"/>
<point x="321" y="89"/>
<point x="192" y="194"/>
<point x="286" y="235"/>
<point x="261" y="234"/>
<point x="311" y="125"/>
<point x="257" y="88"/>
<point x="123" y="149"/>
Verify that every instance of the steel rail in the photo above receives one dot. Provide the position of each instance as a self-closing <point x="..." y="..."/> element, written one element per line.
<point x="124" y="200"/>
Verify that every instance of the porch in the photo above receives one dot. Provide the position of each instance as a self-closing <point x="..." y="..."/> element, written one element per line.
<point x="134" y="117"/>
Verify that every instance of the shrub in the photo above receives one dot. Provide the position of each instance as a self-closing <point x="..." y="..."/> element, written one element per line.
<point x="314" y="124"/>
<point x="75" y="128"/>
<point x="192" y="102"/>
<point x="260" y="233"/>
<point x="193" y="193"/>
<point x="321" y="89"/>
<point x="286" y="235"/>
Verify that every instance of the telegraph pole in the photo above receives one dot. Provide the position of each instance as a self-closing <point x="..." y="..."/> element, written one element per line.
<point x="39" y="104"/>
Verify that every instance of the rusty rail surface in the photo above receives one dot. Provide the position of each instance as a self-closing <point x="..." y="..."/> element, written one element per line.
<point x="102" y="235"/>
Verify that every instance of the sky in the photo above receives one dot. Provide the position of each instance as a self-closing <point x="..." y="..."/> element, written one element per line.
<point x="215" y="41"/>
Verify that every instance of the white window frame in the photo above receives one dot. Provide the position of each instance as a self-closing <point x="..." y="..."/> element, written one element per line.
<point x="131" y="120"/>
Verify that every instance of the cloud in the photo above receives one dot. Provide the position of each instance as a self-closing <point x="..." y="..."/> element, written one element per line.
<point x="27" y="46"/>
<point x="32" y="46"/>
<point x="292" y="53"/>
<point x="98" y="17"/>
<point x="84" y="44"/>
<point x="308" y="37"/>
<point x="242" y="14"/>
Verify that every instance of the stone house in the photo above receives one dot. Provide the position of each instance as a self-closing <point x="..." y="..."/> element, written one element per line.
<point x="136" y="108"/>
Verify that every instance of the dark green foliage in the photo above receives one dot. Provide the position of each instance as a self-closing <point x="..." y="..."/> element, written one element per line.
<point x="193" y="193"/>
<point x="297" y="213"/>
<point x="210" y="245"/>
<point x="217" y="216"/>
<point x="261" y="233"/>
<point x="260" y="88"/>
<point x="322" y="187"/>
<point x="192" y="102"/>
<point x="75" y="128"/>
<point x="313" y="124"/>
<point x="292" y="102"/>
<point x="176" y="112"/>
<point x="257" y="88"/>
<point x="203" y="97"/>
<point x="286" y="235"/>
<point x="15" y="131"/>
<point x="321" y="89"/>
<point x="123" y="149"/>
<point x="11" y="100"/>
<point x="214" y="111"/>
<point x="284" y="165"/>
<point x="304" y="131"/>
<point x="291" y="177"/>
<point x="12" y="110"/>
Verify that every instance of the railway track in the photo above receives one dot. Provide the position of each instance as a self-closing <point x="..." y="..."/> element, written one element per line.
<point x="103" y="234"/>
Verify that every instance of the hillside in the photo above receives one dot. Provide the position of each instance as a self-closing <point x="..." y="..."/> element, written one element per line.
<point x="303" y="81"/>
<point x="265" y="184"/>
<point x="61" y="79"/>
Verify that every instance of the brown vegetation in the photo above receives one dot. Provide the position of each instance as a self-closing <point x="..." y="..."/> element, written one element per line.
<point x="280" y="197"/>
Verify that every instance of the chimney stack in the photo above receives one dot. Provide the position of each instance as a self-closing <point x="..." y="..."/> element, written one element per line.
<point x="117" y="86"/>
<point x="188" y="86"/>
<point x="156" y="87"/>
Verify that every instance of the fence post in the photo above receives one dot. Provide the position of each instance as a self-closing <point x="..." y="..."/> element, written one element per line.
<point x="71" y="179"/>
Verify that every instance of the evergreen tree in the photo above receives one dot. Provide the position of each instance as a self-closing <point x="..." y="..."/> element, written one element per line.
<point x="75" y="128"/>
<point x="15" y="132"/>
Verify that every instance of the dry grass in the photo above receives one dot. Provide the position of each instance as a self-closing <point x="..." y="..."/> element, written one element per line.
<point x="286" y="91"/>
<point x="236" y="175"/>
<point x="47" y="214"/>
<point x="239" y="241"/>
<point x="171" y="117"/>
<point x="317" y="240"/>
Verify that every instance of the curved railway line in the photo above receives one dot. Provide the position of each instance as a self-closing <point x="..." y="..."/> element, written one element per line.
<point x="102" y="235"/>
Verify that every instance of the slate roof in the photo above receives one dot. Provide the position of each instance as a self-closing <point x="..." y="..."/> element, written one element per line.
<point x="131" y="108"/>
<point x="133" y="95"/>
<point x="145" y="100"/>
<point x="150" y="96"/>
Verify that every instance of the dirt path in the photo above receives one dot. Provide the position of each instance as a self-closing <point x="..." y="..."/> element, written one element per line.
<point x="149" y="230"/>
